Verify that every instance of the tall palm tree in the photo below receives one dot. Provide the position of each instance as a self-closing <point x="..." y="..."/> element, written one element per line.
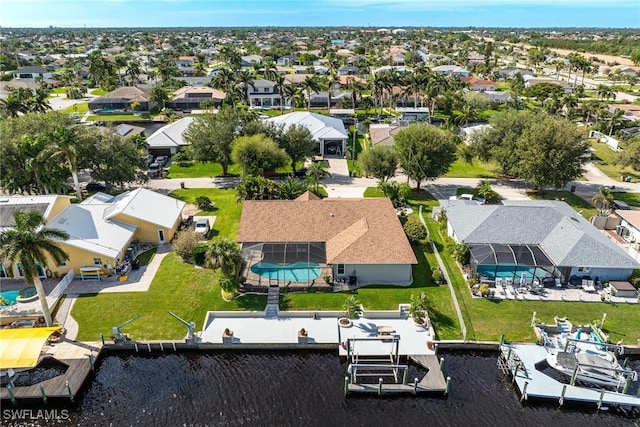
<point x="12" y="105"/>
<point x="224" y="254"/>
<point x="38" y="102"/>
<point x="330" y="81"/>
<point x="64" y="149"/>
<point x="133" y="70"/>
<point x="604" y="198"/>
<point x="605" y="92"/>
<point x="246" y="79"/>
<point x="615" y="118"/>
<point x="280" y="87"/>
<point x="315" y="173"/>
<point x="294" y="94"/>
<point x="160" y="95"/>
<point x="310" y="85"/>
<point x="31" y="243"/>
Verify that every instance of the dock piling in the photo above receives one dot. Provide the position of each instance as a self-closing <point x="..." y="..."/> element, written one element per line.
<point x="625" y="362"/>
<point x="161" y="348"/>
<point x="102" y="339"/>
<point x="379" y="386"/>
<point x="135" y="345"/>
<point x="574" y="375"/>
<point x="435" y="349"/>
<point x="501" y="340"/>
<point x="626" y="384"/>
<point x="515" y="372"/>
<point x="441" y="363"/>
<point x="564" y="390"/>
<point x="66" y="383"/>
<point x="174" y="346"/>
<point x="44" y="395"/>
<point x="149" y="347"/>
<point x="12" y="395"/>
<point x="346" y="385"/>
<point x="524" y="392"/>
<point x="600" y="399"/>
<point x="404" y="376"/>
<point x="92" y="361"/>
<point x="415" y="386"/>
<point x="446" y="390"/>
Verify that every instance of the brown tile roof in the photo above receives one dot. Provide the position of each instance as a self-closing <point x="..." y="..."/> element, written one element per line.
<point x="183" y="92"/>
<point x="361" y="231"/>
<point x="383" y="134"/>
<point x="131" y="93"/>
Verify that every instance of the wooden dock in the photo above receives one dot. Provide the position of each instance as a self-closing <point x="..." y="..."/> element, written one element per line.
<point x="434" y="381"/>
<point x="520" y="361"/>
<point x="78" y="356"/>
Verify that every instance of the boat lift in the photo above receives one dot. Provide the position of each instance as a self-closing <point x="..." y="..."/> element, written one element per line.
<point x="118" y="336"/>
<point x="192" y="336"/>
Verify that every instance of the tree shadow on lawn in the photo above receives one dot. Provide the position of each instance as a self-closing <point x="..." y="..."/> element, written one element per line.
<point x="252" y="302"/>
<point x="442" y="320"/>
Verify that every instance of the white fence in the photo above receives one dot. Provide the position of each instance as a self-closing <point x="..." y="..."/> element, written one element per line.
<point x="57" y="292"/>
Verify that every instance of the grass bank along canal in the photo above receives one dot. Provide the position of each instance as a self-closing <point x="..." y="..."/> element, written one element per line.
<point x="302" y="389"/>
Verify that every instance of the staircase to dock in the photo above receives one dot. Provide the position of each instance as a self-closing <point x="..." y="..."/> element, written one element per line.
<point x="273" y="300"/>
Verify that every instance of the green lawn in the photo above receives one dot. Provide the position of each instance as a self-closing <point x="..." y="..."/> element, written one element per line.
<point x="604" y="159"/>
<point x="59" y="90"/>
<point x="82" y="107"/>
<point x="200" y="170"/>
<point x="580" y="205"/>
<point x="98" y="92"/>
<point x="182" y="288"/>
<point x="477" y="169"/>
<point x="632" y="199"/>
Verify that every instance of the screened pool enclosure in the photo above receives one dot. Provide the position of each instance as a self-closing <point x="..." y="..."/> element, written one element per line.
<point x="284" y="263"/>
<point x="517" y="262"/>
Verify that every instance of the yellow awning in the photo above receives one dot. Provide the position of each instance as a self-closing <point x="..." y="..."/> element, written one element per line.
<point x="20" y="348"/>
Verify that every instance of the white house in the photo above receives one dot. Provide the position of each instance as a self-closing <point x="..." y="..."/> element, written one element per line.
<point x="31" y="72"/>
<point x="329" y="133"/>
<point x="169" y="139"/>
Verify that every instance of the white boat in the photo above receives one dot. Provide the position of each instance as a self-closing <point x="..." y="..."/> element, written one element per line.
<point x="592" y="368"/>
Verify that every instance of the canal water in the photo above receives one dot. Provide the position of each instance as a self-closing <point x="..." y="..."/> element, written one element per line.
<point x="303" y="389"/>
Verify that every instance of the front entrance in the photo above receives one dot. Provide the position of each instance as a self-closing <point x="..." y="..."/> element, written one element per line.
<point x="161" y="236"/>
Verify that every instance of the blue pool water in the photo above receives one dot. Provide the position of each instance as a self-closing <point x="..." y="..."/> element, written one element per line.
<point x="107" y="111"/>
<point x="10" y="296"/>
<point x="296" y="272"/>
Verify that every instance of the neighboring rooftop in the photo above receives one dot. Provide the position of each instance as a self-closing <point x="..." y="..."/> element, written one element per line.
<point x="320" y="126"/>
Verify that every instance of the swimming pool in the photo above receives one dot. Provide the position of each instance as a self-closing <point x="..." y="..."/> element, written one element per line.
<point x="296" y="272"/>
<point x="10" y="296"/>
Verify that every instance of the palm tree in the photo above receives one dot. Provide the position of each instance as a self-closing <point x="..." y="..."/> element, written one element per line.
<point x="355" y="88"/>
<point x="615" y="119"/>
<point x="294" y="94"/>
<point x="31" y="243"/>
<point x="245" y="78"/>
<point x="280" y="87"/>
<point x="605" y="92"/>
<point x="13" y="104"/>
<point x="330" y="82"/>
<point x="38" y="102"/>
<point x="604" y="198"/>
<point x="133" y="70"/>
<point x="64" y="149"/>
<point x="224" y="254"/>
<point x="159" y="95"/>
<point x="310" y="84"/>
<point x="352" y="307"/>
<point x="316" y="172"/>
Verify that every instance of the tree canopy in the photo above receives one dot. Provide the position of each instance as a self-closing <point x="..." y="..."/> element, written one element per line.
<point x="258" y="154"/>
<point x="425" y="152"/>
<point x="380" y="161"/>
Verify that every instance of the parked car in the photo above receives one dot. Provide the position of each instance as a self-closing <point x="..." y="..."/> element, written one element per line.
<point x="149" y="159"/>
<point x="203" y="227"/>
<point x="95" y="186"/>
<point x="300" y="173"/>
<point x="163" y="160"/>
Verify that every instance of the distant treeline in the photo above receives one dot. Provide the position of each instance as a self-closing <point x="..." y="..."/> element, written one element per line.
<point x="616" y="46"/>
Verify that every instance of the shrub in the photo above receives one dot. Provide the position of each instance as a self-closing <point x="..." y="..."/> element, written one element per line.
<point x="462" y="254"/>
<point x="199" y="255"/>
<point x="437" y="276"/>
<point x="484" y="290"/>
<point x="180" y="156"/>
<point x="204" y="203"/>
<point x="185" y="242"/>
<point x="415" y="230"/>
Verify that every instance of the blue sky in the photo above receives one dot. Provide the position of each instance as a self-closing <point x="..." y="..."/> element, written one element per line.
<point x="392" y="13"/>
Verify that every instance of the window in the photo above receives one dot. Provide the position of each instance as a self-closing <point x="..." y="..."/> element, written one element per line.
<point x="97" y="261"/>
<point x="583" y="269"/>
<point x="340" y="269"/>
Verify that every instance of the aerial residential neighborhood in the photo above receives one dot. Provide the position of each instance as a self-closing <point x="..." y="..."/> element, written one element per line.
<point x="368" y="191"/>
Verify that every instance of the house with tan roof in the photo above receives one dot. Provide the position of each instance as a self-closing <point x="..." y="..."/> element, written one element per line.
<point x="188" y="98"/>
<point x="122" y="98"/>
<point x="382" y="133"/>
<point x="358" y="240"/>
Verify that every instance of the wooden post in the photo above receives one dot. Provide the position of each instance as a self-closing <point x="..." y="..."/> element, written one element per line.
<point x="66" y="383"/>
<point x="441" y="363"/>
<point x="346" y="385"/>
<point x="12" y="396"/>
<point x="415" y="386"/>
<point x="626" y="385"/>
<point x="574" y="375"/>
<point x="601" y="398"/>
<point x="174" y="347"/>
<point x="501" y="340"/>
<point x="564" y="390"/>
<point x="135" y="345"/>
<point x="404" y="376"/>
<point x="509" y="355"/>
<point x="102" y="339"/>
<point x="524" y="391"/>
<point x="161" y="348"/>
<point x="92" y="361"/>
<point x="44" y="395"/>
<point x="446" y="390"/>
<point x="379" y="386"/>
<point x="435" y="348"/>
<point x="515" y="372"/>
<point x="149" y="347"/>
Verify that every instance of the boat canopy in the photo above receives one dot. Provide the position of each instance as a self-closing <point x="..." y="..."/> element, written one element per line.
<point x="21" y="347"/>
